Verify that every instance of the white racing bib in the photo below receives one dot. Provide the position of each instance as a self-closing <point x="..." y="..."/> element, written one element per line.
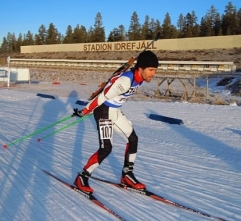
<point x="106" y="128"/>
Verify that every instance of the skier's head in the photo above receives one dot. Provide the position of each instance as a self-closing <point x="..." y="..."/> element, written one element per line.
<point x="146" y="59"/>
<point x="146" y="65"/>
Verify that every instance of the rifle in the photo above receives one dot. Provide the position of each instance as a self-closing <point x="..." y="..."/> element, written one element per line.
<point x="123" y="68"/>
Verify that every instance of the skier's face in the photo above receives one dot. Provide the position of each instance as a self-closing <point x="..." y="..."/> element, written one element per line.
<point x="148" y="73"/>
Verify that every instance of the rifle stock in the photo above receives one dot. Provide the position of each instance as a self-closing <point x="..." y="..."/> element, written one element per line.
<point x="123" y="68"/>
<point x="98" y="91"/>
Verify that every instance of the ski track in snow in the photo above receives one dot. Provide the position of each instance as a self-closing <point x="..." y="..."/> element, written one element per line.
<point x="196" y="164"/>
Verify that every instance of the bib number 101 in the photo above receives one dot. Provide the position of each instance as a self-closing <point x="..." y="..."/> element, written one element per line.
<point x="106" y="129"/>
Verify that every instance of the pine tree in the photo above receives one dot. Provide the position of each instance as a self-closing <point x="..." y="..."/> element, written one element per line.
<point x="229" y="20"/>
<point x="79" y="34"/>
<point x="166" y="27"/>
<point x="68" y="36"/>
<point x="181" y="25"/>
<point x="97" y="34"/>
<point x="146" y="31"/>
<point x="4" y="46"/>
<point x="52" y="35"/>
<point x="190" y="25"/>
<point x="19" y="42"/>
<point x="117" y="34"/>
<point x="134" y="31"/>
<point x="28" y="39"/>
<point x="158" y="28"/>
<point x="41" y="37"/>
<point x="239" y="21"/>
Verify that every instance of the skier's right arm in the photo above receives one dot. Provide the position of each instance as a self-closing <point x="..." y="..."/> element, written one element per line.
<point x="115" y="87"/>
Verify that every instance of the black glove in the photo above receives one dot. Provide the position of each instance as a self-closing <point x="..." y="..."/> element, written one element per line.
<point x="78" y="113"/>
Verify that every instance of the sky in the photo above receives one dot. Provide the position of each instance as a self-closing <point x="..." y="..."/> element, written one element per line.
<point x="196" y="164"/>
<point x="27" y="15"/>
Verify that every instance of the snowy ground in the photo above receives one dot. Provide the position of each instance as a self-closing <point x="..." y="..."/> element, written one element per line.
<point x="196" y="164"/>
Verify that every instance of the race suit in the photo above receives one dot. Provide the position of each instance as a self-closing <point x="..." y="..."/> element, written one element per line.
<point x="108" y="117"/>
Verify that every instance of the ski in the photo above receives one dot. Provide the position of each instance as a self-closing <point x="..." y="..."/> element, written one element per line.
<point x="87" y="195"/>
<point x="158" y="198"/>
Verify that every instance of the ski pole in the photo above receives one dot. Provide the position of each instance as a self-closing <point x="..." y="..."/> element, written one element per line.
<point x="36" y="132"/>
<point x="64" y="127"/>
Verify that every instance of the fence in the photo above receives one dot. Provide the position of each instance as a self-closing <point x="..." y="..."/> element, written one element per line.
<point x="165" y="66"/>
<point x="185" y="72"/>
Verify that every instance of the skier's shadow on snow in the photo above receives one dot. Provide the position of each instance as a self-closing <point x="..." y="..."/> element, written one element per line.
<point x="76" y="159"/>
<point x="35" y="157"/>
<point x="77" y="155"/>
<point x="45" y="157"/>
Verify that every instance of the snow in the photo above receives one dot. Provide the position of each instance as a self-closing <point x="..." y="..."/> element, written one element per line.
<point x="196" y="164"/>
